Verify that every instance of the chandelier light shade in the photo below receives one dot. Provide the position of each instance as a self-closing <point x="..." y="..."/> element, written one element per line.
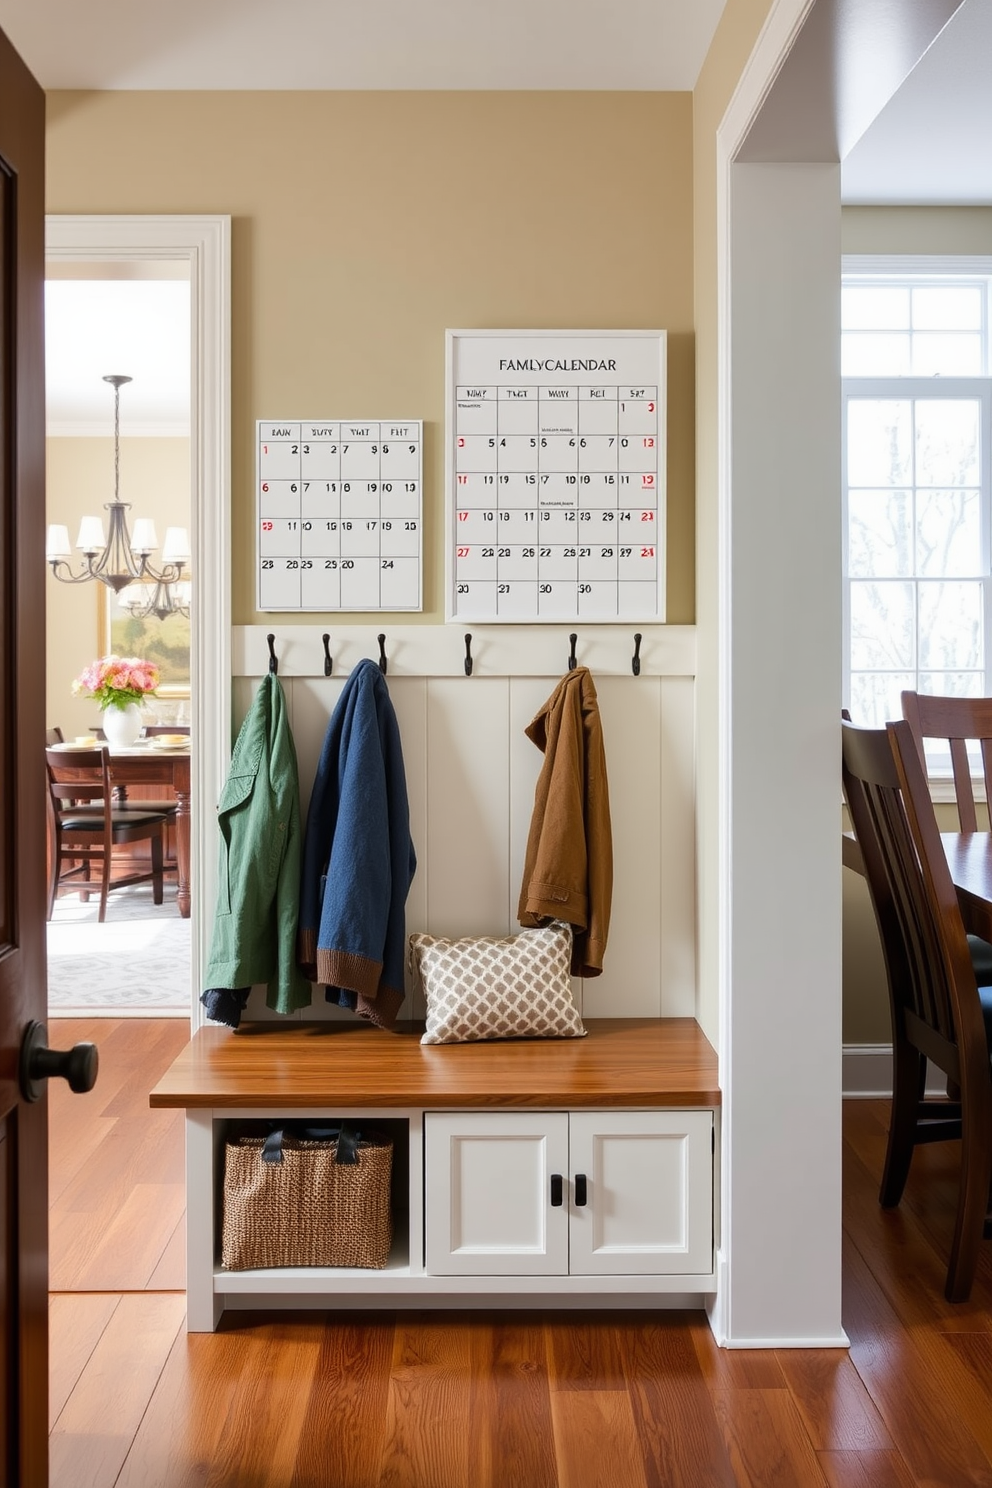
<point x="123" y="558"/>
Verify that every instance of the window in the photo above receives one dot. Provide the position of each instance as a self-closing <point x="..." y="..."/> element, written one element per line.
<point x="917" y="436"/>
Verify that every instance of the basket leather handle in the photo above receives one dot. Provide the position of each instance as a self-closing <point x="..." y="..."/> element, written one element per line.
<point x="347" y="1138"/>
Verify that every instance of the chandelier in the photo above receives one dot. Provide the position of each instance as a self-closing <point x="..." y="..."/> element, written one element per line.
<point x="161" y="599"/>
<point x="123" y="558"/>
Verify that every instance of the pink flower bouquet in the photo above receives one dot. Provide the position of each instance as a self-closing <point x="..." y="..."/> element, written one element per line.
<point x="116" y="681"/>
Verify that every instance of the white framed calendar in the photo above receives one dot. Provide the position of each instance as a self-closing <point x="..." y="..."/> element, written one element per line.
<point x="340" y="514"/>
<point x="555" y="476"/>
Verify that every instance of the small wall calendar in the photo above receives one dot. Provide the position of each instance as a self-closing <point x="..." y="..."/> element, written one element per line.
<point x="555" y="469"/>
<point x="340" y="514"/>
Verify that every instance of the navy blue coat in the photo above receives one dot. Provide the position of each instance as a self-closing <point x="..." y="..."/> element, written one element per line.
<point x="358" y="857"/>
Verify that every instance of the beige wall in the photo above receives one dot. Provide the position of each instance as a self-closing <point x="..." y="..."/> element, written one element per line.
<point x="365" y="224"/>
<point x="155" y="480"/>
<point x="916" y="230"/>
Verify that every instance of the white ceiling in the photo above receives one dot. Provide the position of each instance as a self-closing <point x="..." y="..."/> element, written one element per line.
<point x="377" y="44"/>
<point x="138" y="328"/>
<point x="933" y="142"/>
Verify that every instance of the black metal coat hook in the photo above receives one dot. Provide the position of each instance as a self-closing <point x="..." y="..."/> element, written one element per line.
<point x="635" y="660"/>
<point x="468" y="653"/>
<point x="572" y="661"/>
<point x="273" y="659"/>
<point x="383" y="663"/>
<point x="328" y="663"/>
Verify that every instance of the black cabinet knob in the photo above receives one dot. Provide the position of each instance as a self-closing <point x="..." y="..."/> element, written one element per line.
<point x="38" y="1063"/>
<point x="581" y="1196"/>
<point x="556" y="1191"/>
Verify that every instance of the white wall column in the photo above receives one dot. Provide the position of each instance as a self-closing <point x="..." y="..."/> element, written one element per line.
<point x="781" y="632"/>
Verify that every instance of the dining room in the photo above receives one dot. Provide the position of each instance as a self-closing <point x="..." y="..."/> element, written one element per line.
<point x="118" y="458"/>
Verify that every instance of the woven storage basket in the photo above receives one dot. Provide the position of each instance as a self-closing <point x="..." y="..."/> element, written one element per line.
<point x="307" y="1202"/>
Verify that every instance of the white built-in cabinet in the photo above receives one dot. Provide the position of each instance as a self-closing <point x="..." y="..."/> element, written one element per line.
<point x="581" y="1193"/>
<point x="491" y="1208"/>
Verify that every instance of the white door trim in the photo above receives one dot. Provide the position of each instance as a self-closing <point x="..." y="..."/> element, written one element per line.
<point x="204" y="242"/>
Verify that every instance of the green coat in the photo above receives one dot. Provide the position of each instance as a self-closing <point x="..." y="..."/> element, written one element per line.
<point x="258" y="890"/>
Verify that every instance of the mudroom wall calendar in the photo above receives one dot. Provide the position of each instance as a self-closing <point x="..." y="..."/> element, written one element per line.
<point x="340" y="514"/>
<point x="555" y="475"/>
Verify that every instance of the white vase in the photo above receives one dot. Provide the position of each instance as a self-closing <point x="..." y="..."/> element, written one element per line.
<point x="122" y="726"/>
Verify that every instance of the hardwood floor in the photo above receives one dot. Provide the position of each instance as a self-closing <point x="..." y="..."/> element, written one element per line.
<point x="490" y="1400"/>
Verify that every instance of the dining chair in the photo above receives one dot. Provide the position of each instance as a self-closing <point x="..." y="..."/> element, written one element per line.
<point x="53" y="736"/>
<point x="939" y="1013"/>
<point x="956" y="721"/>
<point x="85" y="827"/>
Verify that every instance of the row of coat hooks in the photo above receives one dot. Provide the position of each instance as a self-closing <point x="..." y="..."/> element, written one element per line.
<point x="635" y="660"/>
<point x="328" y="661"/>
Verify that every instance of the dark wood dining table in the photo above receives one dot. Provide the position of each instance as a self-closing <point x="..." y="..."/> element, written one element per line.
<point x="146" y="764"/>
<point x="969" y="857"/>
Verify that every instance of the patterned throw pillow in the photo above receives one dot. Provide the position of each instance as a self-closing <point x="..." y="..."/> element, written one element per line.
<point x="517" y="986"/>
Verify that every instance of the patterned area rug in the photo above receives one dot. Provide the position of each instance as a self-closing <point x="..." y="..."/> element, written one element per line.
<point x="136" y="964"/>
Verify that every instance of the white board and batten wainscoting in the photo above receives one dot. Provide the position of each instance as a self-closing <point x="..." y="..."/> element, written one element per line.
<point x="471" y="773"/>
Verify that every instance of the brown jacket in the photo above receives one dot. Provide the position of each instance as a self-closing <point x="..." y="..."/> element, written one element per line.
<point x="568" y="868"/>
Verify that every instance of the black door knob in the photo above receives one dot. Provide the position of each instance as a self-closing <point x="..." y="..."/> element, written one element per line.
<point x="78" y="1065"/>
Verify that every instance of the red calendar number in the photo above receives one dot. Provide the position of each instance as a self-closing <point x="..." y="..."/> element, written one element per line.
<point x="463" y="480"/>
<point x="265" y="485"/>
<point x="647" y="516"/>
<point x="647" y="480"/>
<point x="463" y="552"/>
<point x="266" y="526"/>
<point x="649" y="444"/>
<point x="461" y="444"/>
<point x="647" y="552"/>
<point x="650" y="408"/>
<point x="463" y="516"/>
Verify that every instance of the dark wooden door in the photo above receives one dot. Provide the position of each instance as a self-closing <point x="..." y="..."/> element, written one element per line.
<point x="23" y="1124"/>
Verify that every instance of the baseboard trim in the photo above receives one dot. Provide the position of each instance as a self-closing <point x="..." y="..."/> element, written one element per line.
<point x="866" y="1073"/>
<point x="117" y="1012"/>
<point x="829" y="1341"/>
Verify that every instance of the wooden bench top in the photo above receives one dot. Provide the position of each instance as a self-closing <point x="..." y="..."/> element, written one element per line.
<point x="622" y="1062"/>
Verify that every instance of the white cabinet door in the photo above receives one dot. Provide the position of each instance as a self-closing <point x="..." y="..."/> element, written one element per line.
<point x="641" y="1193"/>
<point x="494" y="1201"/>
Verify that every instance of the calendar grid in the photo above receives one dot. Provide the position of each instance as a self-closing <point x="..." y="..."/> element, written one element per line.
<point x="340" y="515"/>
<point x="556" y="482"/>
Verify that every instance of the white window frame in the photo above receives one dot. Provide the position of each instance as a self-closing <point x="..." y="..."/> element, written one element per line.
<point x="913" y="268"/>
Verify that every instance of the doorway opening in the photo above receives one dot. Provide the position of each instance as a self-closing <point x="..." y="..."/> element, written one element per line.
<point x="130" y="318"/>
<point x="197" y="249"/>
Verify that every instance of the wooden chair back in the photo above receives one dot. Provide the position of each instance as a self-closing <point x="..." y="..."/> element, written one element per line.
<point x="85" y="826"/>
<point x="956" y="721"/>
<point x="934" y="998"/>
